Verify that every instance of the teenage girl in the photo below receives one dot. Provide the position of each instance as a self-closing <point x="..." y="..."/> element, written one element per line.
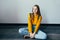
<point x="34" y="21"/>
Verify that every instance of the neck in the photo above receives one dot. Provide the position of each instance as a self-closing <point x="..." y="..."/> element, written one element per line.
<point x="35" y="13"/>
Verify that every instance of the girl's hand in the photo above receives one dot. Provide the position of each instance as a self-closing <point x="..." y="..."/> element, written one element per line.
<point x="32" y="35"/>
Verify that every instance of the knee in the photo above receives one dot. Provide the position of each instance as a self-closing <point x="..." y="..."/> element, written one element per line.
<point x="41" y="36"/>
<point x="20" y="30"/>
<point x="44" y="36"/>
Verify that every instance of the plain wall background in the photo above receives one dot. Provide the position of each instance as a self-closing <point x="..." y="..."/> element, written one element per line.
<point x="16" y="11"/>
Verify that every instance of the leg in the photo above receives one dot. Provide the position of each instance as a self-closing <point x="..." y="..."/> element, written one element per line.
<point x="41" y="35"/>
<point x="23" y="31"/>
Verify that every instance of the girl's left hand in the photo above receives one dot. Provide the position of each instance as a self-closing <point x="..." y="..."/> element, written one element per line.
<point x="33" y="35"/>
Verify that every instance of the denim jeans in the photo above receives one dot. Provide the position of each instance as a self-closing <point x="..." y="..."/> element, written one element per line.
<point x="39" y="35"/>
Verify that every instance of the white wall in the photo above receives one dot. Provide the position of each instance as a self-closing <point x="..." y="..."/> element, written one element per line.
<point x="15" y="11"/>
<point x="8" y="11"/>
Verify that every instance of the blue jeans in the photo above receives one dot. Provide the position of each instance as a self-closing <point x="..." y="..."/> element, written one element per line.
<point x="39" y="35"/>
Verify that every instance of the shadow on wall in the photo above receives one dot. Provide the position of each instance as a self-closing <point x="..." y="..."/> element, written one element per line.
<point x="44" y="17"/>
<point x="44" y="20"/>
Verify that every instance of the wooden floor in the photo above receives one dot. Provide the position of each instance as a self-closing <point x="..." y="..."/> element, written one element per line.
<point x="10" y="32"/>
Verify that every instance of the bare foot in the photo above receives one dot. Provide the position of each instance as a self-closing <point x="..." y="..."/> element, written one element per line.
<point x="26" y="36"/>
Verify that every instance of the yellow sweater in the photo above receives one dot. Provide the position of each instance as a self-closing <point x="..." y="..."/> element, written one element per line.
<point x="36" y="22"/>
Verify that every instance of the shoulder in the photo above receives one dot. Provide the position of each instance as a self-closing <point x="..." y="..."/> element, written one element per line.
<point x="40" y="16"/>
<point x="29" y="14"/>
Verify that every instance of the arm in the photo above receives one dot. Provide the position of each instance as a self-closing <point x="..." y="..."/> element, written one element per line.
<point x="38" y="24"/>
<point x="29" y="24"/>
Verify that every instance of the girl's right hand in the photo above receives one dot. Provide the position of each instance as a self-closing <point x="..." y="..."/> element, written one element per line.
<point x="30" y="35"/>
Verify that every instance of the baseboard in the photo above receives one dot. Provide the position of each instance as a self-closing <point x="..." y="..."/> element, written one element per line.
<point x="27" y="24"/>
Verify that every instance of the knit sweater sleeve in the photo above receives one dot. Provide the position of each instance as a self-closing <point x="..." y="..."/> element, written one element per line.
<point x="38" y="24"/>
<point x="29" y="24"/>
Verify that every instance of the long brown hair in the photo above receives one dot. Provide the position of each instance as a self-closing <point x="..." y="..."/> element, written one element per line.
<point x="38" y="12"/>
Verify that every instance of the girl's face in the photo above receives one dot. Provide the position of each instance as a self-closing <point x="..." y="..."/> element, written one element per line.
<point x="34" y="9"/>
